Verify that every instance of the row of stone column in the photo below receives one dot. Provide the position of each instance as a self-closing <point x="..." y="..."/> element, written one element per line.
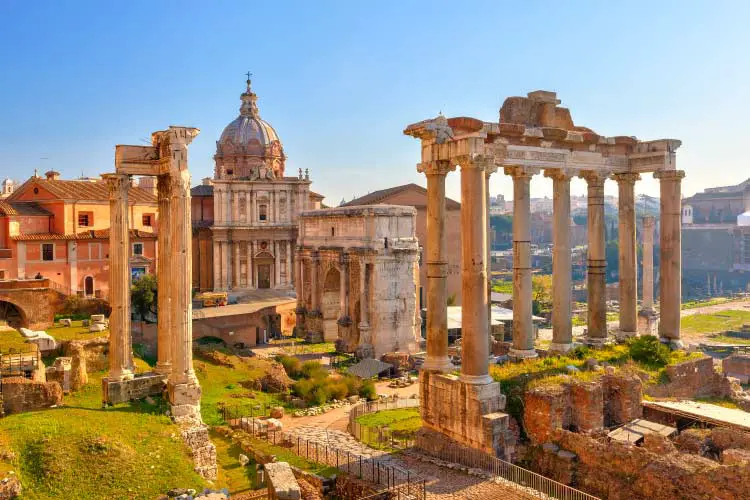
<point x="227" y="267"/>
<point x="228" y="203"/>
<point x="475" y="262"/>
<point x="670" y="291"/>
<point x="174" y="328"/>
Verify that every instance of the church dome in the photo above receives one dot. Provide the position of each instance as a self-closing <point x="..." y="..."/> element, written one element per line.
<point x="249" y="147"/>
<point x="249" y="134"/>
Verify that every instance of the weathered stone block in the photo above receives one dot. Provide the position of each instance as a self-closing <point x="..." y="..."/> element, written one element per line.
<point x="587" y="406"/>
<point x="121" y="391"/>
<point x="623" y="393"/>
<point x="737" y="366"/>
<point x="20" y="395"/>
<point x="282" y="484"/>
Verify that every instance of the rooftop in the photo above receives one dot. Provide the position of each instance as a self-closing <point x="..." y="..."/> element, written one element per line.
<point x="380" y="196"/>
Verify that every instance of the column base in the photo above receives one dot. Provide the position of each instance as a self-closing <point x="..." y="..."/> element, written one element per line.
<point x="185" y="402"/>
<point x="438" y="364"/>
<point x="623" y="335"/>
<point x="561" y="347"/>
<point x="648" y="322"/>
<point x="476" y="379"/>
<point x="597" y="341"/>
<point x="672" y="343"/>
<point x="162" y="368"/>
<point x="521" y="354"/>
<point x="121" y="376"/>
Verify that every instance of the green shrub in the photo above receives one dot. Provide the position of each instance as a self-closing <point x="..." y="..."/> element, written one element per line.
<point x="291" y="365"/>
<point x="320" y="396"/>
<point x="303" y="388"/>
<point x="368" y="390"/>
<point x="353" y="384"/>
<point x="338" y="390"/>
<point x="313" y="369"/>
<point x="648" y="350"/>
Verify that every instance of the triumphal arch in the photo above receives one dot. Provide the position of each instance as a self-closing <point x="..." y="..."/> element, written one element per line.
<point x="533" y="134"/>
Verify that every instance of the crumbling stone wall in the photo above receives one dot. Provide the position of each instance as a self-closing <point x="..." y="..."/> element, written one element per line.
<point x="693" y="379"/>
<point x="349" y="487"/>
<point x="202" y="450"/>
<point x="93" y="350"/>
<point x="620" y="471"/>
<point x="60" y="372"/>
<point x="737" y="366"/>
<point x="623" y="393"/>
<point x="544" y="410"/>
<point x="21" y="394"/>
<point x="586" y="406"/>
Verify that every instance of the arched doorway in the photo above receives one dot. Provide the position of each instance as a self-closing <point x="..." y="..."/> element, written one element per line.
<point x="264" y="269"/>
<point x="11" y="315"/>
<point x="88" y="286"/>
<point x="330" y="309"/>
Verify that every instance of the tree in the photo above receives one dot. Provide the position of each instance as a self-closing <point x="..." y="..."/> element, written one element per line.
<point x="541" y="292"/>
<point x="143" y="296"/>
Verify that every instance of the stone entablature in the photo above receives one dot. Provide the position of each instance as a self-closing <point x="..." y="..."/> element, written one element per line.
<point x="357" y="278"/>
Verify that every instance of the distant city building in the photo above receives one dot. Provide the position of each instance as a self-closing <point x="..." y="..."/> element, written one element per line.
<point x="7" y="188"/>
<point x="59" y="229"/>
<point x="716" y="239"/>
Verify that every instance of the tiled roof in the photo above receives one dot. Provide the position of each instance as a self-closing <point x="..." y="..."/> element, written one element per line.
<point x="383" y="194"/>
<point x="98" y="234"/>
<point x="202" y="190"/>
<point x="22" y="208"/>
<point x="83" y="190"/>
<point x="368" y="368"/>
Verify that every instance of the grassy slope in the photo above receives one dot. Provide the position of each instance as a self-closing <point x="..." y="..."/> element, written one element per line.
<point x="13" y="338"/>
<point x="83" y="450"/>
<point x="403" y="419"/>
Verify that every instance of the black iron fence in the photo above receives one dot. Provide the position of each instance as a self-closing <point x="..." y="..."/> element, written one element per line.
<point x="381" y="436"/>
<point x="388" y="476"/>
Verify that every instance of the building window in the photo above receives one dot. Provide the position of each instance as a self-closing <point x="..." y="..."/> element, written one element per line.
<point x="48" y="251"/>
<point x="147" y="220"/>
<point x="88" y="286"/>
<point x="263" y="212"/>
<point x="137" y="248"/>
<point x="2" y="274"/>
<point x="333" y="232"/>
<point x="84" y="219"/>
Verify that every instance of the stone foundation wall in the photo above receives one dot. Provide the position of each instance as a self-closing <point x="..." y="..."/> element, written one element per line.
<point x="693" y="379"/>
<point x="21" y="395"/>
<point x="737" y="366"/>
<point x="544" y="410"/>
<point x="623" y="393"/>
<point x="348" y="487"/>
<point x="466" y="413"/>
<point x="202" y="450"/>
<point x="122" y="391"/>
<point x="618" y="471"/>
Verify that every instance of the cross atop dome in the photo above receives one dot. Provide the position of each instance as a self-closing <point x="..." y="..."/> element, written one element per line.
<point x="249" y="105"/>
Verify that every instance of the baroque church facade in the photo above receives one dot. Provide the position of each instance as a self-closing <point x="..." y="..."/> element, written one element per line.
<point x="253" y="208"/>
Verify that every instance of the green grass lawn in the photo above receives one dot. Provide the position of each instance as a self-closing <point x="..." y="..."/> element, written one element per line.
<point x="303" y="348"/>
<point x="232" y="476"/>
<point x="400" y="419"/>
<point x="82" y="451"/>
<point x="223" y="384"/>
<point x="692" y="304"/>
<point x="12" y="339"/>
<point x="715" y="322"/>
<point x="286" y="455"/>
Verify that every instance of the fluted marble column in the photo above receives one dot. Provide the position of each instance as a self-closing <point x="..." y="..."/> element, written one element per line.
<point x="562" y="325"/>
<point x="647" y="303"/>
<point x="365" y="337"/>
<point x="474" y="321"/>
<point x="437" y="267"/>
<point x="627" y="254"/>
<point x="344" y="289"/>
<point x="670" y="276"/>
<point x="597" y="263"/>
<point x="164" y="277"/>
<point x="314" y="282"/>
<point x="523" y="328"/>
<point x="120" y="346"/>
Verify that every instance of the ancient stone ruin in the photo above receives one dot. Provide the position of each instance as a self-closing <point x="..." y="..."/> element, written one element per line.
<point x="534" y="133"/>
<point x="167" y="160"/>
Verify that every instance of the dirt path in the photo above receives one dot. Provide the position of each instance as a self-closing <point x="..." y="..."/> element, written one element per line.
<point x="735" y="304"/>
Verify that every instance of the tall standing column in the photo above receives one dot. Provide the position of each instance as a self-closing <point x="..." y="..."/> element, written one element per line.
<point x="597" y="263"/>
<point x="364" y="306"/>
<point x="314" y="282"/>
<point x="249" y="265"/>
<point x="344" y="289"/>
<point x="164" y="277"/>
<point x="217" y="264"/>
<point x="627" y="255"/>
<point x="670" y="256"/>
<point x="647" y="303"/>
<point x="562" y="326"/>
<point x="277" y="263"/>
<point x="289" y="272"/>
<point x="237" y="277"/>
<point x="474" y="320"/>
<point x="523" y="328"/>
<point x="488" y="258"/>
<point x="120" y="347"/>
<point x="436" y="250"/>
<point x="182" y="307"/>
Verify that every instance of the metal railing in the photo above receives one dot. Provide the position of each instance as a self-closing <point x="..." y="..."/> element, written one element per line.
<point x="230" y="413"/>
<point x="535" y="484"/>
<point x="390" y="477"/>
<point x="19" y="363"/>
<point x="381" y="436"/>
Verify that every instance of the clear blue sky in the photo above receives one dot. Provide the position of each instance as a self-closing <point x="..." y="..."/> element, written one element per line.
<point x="340" y="80"/>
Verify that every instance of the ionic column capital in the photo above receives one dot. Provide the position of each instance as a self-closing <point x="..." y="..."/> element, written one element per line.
<point x="117" y="184"/>
<point x="519" y="172"/>
<point x="594" y="178"/>
<point x="669" y="175"/>
<point x="626" y="177"/>
<point x="480" y="162"/>
<point x="561" y="174"/>
<point x="436" y="167"/>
